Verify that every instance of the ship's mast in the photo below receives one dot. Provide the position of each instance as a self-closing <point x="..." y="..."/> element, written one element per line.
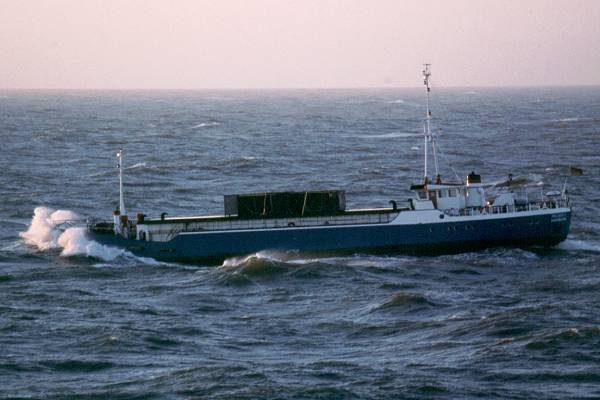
<point x="120" y="166"/>
<point x="428" y="135"/>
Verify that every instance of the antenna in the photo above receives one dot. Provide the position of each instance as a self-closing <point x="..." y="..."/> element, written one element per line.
<point x="427" y="128"/>
<point x="426" y="75"/>
<point x="120" y="167"/>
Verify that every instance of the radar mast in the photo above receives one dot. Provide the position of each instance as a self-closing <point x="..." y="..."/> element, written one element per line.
<point x="428" y="136"/>
<point x="120" y="167"/>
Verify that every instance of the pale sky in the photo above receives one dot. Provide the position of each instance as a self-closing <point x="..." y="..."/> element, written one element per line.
<point x="192" y="44"/>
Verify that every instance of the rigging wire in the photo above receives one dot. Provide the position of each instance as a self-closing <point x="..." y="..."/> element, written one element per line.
<point x="444" y="116"/>
<point x="441" y="152"/>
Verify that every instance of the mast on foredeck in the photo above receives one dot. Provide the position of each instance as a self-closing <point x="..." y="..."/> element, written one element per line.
<point x="429" y="137"/>
<point x="120" y="167"/>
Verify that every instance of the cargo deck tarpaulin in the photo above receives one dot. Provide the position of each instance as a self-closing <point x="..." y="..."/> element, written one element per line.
<point x="286" y="204"/>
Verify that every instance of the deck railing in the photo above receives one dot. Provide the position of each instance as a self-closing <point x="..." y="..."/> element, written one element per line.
<point x="507" y="209"/>
<point x="167" y="231"/>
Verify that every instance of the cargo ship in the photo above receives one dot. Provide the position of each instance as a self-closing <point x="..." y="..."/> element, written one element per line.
<point x="442" y="217"/>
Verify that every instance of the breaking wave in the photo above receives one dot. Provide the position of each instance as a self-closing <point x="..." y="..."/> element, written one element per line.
<point x="206" y="125"/>
<point x="47" y="232"/>
<point x="261" y="255"/>
<point x="136" y="166"/>
<point x="571" y="119"/>
<point x="266" y="264"/>
<point x="258" y="264"/>
<point x="43" y="231"/>
<point x="74" y="242"/>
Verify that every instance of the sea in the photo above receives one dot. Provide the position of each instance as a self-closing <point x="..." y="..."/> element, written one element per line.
<point x="79" y="320"/>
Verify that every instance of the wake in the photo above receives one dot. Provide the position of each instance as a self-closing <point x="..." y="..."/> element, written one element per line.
<point x="579" y="245"/>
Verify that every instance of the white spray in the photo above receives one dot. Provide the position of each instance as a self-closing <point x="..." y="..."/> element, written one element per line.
<point x="44" y="232"/>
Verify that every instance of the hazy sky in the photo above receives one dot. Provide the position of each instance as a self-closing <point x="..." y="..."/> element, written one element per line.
<point x="300" y="43"/>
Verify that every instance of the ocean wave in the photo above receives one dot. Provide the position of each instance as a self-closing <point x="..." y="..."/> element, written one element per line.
<point x="77" y="365"/>
<point x="579" y="245"/>
<point x="43" y="231"/>
<point x="241" y="162"/>
<point x="397" y="286"/>
<point x="508" y="324"/>
<point x="235" y="262"/>
<point x="391" y="135"/>
<point x="263" y="263"/>
<point x="403" y="300"/>
<point x="544" y="377"/>
<point x="491" y="257"/>
<point x="137" y="169"/>
<point x="464" y="271"/>
<point x="136" y="166"/>
<point x="569" y="119"/>
<point x="47" y="232"/>
<point x="240" y="271"/>
<point x="530" y="180"/>
<point x="586" y="336"/>
<point x="206" y="125"/>
<point x="74" y="242"/>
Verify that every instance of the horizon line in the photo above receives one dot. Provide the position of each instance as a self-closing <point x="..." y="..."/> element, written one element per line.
<point x="300" y="88"/>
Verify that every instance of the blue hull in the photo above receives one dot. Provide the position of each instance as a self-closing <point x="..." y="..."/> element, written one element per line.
<point x="435" y="238"/>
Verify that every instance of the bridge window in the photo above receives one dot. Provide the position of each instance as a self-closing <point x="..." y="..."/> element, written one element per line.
<point x="422" y="195"/>
<point x="452" y="192"/>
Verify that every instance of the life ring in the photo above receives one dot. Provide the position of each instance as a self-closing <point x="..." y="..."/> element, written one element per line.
<point x="291" y="224"/>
